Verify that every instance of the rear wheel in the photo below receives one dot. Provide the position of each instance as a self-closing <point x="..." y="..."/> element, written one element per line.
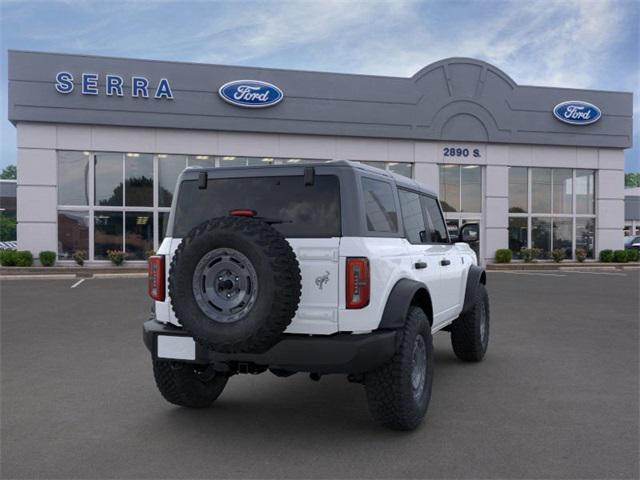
<point x="186" y="384"/>
<point x="470" y="332"/>
<point x="398" y="394"/>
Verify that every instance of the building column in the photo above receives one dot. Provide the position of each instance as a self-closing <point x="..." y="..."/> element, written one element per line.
<point x="610" y="200"/>
<point x="495" y="210"/>
<point x="36" y="193"/>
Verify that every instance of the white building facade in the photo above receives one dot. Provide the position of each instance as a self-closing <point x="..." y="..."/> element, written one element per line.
<point x="96" y="171"/>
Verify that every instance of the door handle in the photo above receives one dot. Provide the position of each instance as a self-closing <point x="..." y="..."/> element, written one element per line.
<point x="445" y="262"/>
<point x="419" y="265"/>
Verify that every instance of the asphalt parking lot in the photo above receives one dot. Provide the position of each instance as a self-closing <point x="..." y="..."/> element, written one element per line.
<point x="556" y="397"/>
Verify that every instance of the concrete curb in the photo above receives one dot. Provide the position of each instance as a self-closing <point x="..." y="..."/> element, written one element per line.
<point x="80" y="272"/>
<point x="55" y="276"/>
<point x="499" y="267"/>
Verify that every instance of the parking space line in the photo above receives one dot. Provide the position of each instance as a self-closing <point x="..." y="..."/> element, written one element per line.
<point x="78" y="283"/>
<point x="598" y="273"/>
<point x="533" y="273"/>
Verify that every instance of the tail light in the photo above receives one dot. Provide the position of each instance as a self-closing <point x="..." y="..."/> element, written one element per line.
<point x="358" y="282"/>
<point x="156" y="277"/>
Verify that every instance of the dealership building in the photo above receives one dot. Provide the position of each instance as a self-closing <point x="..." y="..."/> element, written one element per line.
<point x="102" y="140"/>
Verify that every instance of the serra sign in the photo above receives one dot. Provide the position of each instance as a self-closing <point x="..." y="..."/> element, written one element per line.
<point x="113" y="85"/>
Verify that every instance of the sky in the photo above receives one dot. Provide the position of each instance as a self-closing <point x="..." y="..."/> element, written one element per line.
<point x="566" y="43"/>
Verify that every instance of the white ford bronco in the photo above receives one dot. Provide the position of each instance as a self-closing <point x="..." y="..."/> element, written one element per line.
<point x="323" y="268"/>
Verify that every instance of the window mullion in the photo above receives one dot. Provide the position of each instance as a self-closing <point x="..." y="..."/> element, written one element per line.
<point x="92" y="200"/>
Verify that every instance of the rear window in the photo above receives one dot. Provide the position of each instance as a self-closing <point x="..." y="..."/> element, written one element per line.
<point x="305" y="210"/>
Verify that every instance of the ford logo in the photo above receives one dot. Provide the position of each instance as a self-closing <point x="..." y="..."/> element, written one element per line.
<point x="577" y="112"/>
<point x="250" y="93"/>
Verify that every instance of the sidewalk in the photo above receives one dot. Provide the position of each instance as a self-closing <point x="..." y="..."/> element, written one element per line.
<point x="562" y="265"/>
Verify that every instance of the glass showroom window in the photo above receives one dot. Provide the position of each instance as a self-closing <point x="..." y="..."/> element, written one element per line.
<point x="121" y="201"/>
<point x="551" y="208"/>
<point x="460" y="195"/>
<point x="404" y="169"/>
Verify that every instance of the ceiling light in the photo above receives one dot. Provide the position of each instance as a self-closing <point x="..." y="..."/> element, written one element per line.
<point x="293" y="160"/>
<point x="470" y="166"/>
<point x="86" y="153"/>
<point x="133" y="154"/>
<point x="202" y="157"/>
<point x="267" y="159"/>
<point x="392" y="164"/>
<point x="162" y="155"/>
<point x="228" y="158"/>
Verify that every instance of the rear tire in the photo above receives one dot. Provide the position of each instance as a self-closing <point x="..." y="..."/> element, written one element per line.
<point x="398" y="393"/>
<point x="183" y="384"/>
<point x="470" y="332"/>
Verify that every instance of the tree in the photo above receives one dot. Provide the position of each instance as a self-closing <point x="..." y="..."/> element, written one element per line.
<point x="9" y="173"/>
<point x="632" y="180"/>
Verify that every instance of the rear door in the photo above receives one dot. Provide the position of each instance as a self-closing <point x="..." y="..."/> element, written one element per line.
<point x="448" y="287"/>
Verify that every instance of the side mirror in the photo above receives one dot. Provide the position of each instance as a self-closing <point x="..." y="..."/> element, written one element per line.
<point x="469" y="233"/>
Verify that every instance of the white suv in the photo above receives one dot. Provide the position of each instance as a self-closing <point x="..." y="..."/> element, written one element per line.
<point x="323" y="268"/>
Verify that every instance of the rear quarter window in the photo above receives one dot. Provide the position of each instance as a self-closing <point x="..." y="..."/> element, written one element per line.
<point x="304" y="210"/>
<point x="379" y="206"/>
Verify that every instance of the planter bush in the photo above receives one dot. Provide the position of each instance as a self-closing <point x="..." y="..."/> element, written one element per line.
<point x="558" y="255"/>
<point x="24" y="258"/>
<point x="47" y="258"/>
<point x="80" y="256"/>
<point x="581" y="254"/>
<point x="149" y="253"/>
<point x="530" y="255"/>
<point x="117" y="257"/>
<point x="503" y="255"/>
<point x="633" y="255"/>
<point x="620" y="256"/>
<point x="606" y="256"/>
<point x="8" y="258"/>
<point x="526" y="254"/>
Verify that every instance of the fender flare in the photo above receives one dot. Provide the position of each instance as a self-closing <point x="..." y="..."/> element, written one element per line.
<point x="400" y="299"/>
<point x="475" y="277"/>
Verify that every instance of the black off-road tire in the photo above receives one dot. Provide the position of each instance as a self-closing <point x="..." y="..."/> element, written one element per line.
<point x="181" y="384"/>
<point x="469" y="338"/>
<point x="390" y="394"/>
<point x="278" y="291"/>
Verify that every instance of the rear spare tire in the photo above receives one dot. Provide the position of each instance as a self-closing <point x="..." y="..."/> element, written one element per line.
<point x="235" y="284"/>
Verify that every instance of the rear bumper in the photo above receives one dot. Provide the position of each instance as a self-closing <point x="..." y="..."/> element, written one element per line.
<point x="340" y="353"/>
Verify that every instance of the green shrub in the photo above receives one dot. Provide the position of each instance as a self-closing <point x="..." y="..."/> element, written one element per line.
<point x="558" y="255"/>
<point x="633" y="255"/>
<point x="117" y="257"/>
<point x="47" y="258"/>
<point x="8" y="258"/>
<point x="149" y="253"/>
<point x="620" y="256"/>
<point x="606" y="255"/>
<point x="503" y="255"/>
<point x="24" y="258"/>
<point x="581" y="254"/>
<point x="530" y="254"/>
<point x="80" y="256"/>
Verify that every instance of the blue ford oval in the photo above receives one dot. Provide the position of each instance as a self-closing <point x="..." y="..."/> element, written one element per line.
<point x="577" y="112"/>
<point x="250" y="93"/>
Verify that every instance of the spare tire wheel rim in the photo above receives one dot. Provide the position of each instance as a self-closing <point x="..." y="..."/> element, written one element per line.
<point x="225" y="285"/>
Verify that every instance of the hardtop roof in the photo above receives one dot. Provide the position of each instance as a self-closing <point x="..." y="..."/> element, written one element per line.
<point x="399" y="180"/>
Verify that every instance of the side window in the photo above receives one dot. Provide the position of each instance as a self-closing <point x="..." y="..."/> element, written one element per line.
<point x="437" y="228"/>
<point x="412" y="217"/>
<point x="379" y="205"/>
